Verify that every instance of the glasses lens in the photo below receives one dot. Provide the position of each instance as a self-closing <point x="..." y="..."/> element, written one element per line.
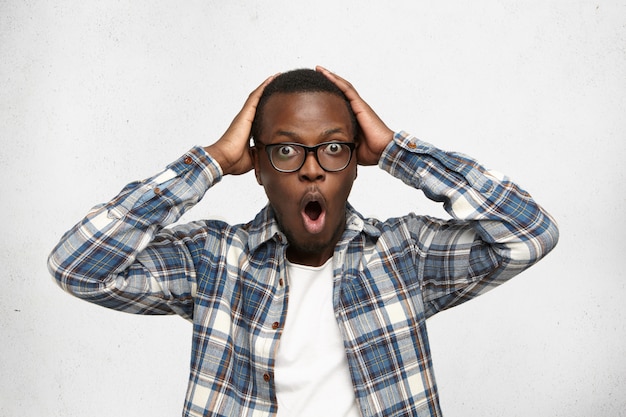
<point x="287" y="157"/>
<point x="334" y="156"/>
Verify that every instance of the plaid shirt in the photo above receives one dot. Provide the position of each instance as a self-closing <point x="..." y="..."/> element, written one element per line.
<point x="389" y="277"/>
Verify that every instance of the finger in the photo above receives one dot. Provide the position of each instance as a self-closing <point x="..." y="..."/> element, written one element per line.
<point x="344" y="85"/>
<point x="249" y="108"/>
<point x="256" y="94"/>
<point x="340" y="82"/>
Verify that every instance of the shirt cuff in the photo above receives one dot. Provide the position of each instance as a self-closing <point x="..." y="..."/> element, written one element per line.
<point x="448" y="164"/>
<point x="200" y="165"/>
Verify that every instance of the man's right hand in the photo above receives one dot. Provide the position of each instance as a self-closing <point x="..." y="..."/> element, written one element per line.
<point x="232" y="150"/>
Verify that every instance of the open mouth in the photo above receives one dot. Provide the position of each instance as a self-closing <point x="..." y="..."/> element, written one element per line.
<point x="313" y="213"/>
<point x="313" y="210"/>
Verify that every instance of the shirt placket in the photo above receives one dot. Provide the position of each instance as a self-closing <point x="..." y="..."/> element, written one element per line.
<point x="266" y="344"/>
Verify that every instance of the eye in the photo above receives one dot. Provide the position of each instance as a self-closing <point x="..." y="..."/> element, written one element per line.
<point x="286" y="151"/>
<point x="333" y="148"/>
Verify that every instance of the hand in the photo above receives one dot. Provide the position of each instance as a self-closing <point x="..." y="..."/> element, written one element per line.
<point x="232" y="150"/>
<point x="373" y="136"/>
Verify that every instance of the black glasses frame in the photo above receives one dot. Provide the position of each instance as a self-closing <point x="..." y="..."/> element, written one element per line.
<point x="307" y="149"/>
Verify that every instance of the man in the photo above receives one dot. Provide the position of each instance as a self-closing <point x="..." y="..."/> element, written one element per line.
<point x="309" y="309"/>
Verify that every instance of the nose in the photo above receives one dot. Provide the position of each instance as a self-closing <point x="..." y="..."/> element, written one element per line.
<point x="311" y="170"/>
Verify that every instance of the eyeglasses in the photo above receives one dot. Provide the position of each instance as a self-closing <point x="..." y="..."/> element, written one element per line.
<point x="289" y="157"/>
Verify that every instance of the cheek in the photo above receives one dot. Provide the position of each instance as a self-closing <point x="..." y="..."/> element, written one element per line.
<point x="264" y="172"/>
<point x="269" y="181"/>
<point x="278" y="187"/>
<point x="351" y="174"/>
<point x="342" y="190"/>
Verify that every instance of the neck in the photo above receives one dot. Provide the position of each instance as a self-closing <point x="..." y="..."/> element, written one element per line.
<point x="309" y="258"/>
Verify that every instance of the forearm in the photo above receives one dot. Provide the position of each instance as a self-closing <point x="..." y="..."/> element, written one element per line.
<point x="93" y="259"/>
<point x="506" y="218"/>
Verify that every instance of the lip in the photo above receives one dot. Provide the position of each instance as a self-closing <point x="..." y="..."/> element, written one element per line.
<point x="313" y="226"/>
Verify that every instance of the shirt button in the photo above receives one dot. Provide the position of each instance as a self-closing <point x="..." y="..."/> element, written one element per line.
<point x="188" y="160"/>
<point x="281" y="282"/>
<point x="275" y="325"/>
<point x="266" y="377"/>
<point x="412" y="145"/>
<point x="157" y="191"/>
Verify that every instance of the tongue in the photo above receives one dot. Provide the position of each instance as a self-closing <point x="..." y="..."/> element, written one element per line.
<point x="313" y="210"/>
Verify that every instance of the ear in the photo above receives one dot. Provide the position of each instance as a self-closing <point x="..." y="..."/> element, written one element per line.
<point x="254" y="154"/>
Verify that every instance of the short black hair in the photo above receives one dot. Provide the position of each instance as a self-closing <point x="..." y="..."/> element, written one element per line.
<point x="298" y="81"/>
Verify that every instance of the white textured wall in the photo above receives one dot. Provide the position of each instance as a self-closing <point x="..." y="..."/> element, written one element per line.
<point x="96" y="94"/>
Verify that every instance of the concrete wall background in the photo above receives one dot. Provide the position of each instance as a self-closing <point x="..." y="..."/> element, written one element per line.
<point x="96" y="94"/>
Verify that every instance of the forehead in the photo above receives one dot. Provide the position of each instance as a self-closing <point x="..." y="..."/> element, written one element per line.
<point x="305" y="116"/>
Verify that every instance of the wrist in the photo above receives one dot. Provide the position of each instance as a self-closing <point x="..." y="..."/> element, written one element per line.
<point x="386" y="139"/>
<point x="218" y="156"/>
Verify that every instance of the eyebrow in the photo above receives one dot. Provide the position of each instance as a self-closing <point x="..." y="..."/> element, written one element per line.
<point x="291" y="135"/>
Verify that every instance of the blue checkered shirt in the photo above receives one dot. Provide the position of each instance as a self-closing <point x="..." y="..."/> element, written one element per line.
<point x="229" y="280"/>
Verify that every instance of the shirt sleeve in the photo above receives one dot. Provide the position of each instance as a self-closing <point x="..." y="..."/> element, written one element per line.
<point x="497" y="230"/>
<point x="120" y="257"/>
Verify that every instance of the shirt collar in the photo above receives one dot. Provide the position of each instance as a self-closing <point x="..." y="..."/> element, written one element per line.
<point x="264" y="227"/>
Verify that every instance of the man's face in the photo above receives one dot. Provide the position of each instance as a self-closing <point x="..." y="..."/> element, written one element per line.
<point x="309" y="204"/>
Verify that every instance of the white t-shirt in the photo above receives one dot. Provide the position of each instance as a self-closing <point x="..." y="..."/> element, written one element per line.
<point x="311" y="373"/>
